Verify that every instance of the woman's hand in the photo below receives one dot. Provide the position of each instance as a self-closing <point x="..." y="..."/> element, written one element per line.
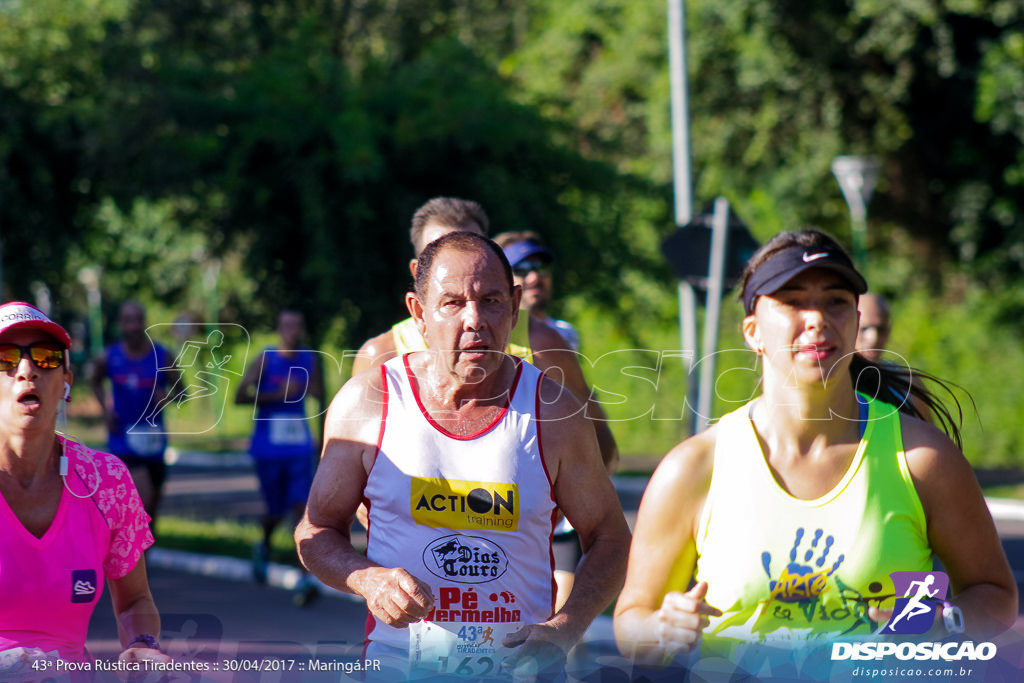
<point x="879" y="615"/>
<point x="682" y="618"/>
<point x="138" y="653"/>
<point x="141" y="653"/>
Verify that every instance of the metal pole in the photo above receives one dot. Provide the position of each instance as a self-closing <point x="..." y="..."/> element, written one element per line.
<point x="90" y="279"/>
<point x="688" y="339"/>
<point x="859" y="223"/>
<point x="680" y="112"/>
<point x="211" y="273"/>
<point x="857" y="176"/>
<point x="713" y="308"/>
<point x="682" y="187"/>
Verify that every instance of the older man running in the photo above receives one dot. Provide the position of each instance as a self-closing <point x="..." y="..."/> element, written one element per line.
<point x="531" y="339"/>
<point x="463" y="453"/>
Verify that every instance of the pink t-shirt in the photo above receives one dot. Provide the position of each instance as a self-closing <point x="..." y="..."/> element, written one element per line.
<point x="49" y="586"/>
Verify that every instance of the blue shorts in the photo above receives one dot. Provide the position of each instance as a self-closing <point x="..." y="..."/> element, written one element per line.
<point x="284" y="482"/>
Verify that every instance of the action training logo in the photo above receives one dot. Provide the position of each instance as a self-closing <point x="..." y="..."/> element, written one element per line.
<point x="455" y="504"/>
<point x="918" y="595"/>
<point x="83" y="585"/>
<point x="465" y="559"/>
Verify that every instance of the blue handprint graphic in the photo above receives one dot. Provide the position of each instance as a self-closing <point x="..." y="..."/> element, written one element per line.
<point x="802" y="580"/>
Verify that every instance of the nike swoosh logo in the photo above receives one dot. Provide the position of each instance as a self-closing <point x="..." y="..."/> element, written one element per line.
<point x="814" y="257"/>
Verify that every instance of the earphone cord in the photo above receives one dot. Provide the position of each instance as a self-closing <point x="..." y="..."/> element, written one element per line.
<point x="62" y="419"/>
<point x="64" y="477"/>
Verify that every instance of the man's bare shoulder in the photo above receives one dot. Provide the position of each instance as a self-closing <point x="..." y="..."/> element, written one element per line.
<point x="375" y="351"/>
<point x="358" y="406"/>
<point x="555" y="357"/>
<point x="544" y="337"/>
<point x="557" y="403"/>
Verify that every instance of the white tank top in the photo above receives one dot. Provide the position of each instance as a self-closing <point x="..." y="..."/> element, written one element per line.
<point x="470" y="515"/>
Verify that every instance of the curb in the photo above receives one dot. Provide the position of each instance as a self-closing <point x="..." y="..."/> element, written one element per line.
<point x="230" y="459"/>
<point x="234" y="569"/>
<point x="1006" y="509"/>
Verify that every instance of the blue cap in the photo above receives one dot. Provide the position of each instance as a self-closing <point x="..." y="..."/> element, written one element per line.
<point x="519" y="251"/>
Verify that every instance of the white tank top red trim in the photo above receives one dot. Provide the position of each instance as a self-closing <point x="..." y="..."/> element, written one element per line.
<point x="470" y="515"/>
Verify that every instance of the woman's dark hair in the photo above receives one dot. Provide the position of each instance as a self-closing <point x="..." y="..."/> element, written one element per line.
<point x="898" y="386"/>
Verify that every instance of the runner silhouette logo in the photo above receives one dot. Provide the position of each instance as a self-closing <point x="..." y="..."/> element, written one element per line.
<point x="919" y="596"/>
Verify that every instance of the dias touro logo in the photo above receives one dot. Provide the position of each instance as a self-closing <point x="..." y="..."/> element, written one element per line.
<point x="456" y="504"/>
<point x="465" y="559"/>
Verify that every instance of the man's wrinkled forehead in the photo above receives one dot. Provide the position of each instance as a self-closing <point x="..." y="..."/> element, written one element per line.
<point x="457" y="270"/>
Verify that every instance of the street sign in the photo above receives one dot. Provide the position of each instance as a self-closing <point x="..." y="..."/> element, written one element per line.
<point x="688" y="250"/>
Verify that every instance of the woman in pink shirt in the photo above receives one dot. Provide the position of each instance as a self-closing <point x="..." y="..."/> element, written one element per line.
<point x="69" y="515"/>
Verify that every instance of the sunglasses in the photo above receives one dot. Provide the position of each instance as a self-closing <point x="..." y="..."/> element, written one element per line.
<point x="524" y="268"/>
<point x="45" y="355"/>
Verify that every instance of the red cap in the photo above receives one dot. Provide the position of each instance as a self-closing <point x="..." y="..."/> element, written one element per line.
<point x="18" y="314"/>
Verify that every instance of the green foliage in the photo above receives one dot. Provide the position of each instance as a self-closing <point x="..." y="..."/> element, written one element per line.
<point x="778" y="89"/>
<point x="223" y="537"/>
<point x="969" y="342"/>
<point x="48" y="87"/>
<point x="277" y="149"/>
<point x="308" y="161"/>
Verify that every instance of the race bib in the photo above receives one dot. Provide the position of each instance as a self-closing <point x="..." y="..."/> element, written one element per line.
<point x="146" y="440"/>
<point x="287" y="430"/>
<point x="28" y="665"/>
<point x="465" y="650"/>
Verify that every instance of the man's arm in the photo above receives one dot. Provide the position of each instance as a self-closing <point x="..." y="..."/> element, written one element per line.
<point x="252" y="391"/>
<point x="171" y="375"/>
<point x="374" y="351"/>
<point x="585" y="494"/>
<point x="316" y="390"/>
<point x="323" y="537"/>
<point x="551" y="353"/>
<point x="247" y="392"/>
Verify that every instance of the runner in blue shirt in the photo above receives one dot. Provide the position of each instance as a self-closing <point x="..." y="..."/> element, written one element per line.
<point x="140" y="372"/>
<point x="283" y="447"/>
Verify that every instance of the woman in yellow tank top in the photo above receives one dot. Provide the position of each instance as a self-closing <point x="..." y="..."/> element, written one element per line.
<point x="784" y="521"/>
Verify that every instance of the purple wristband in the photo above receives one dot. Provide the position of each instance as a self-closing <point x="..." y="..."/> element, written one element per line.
<point x="148" y="640"/>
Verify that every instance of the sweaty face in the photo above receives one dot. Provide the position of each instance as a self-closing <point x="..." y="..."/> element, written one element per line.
<point x="873" y="336"/>
<point x="468" y="311"/>
<point x="807" y="328"/>
<point x="30" y="396"/>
